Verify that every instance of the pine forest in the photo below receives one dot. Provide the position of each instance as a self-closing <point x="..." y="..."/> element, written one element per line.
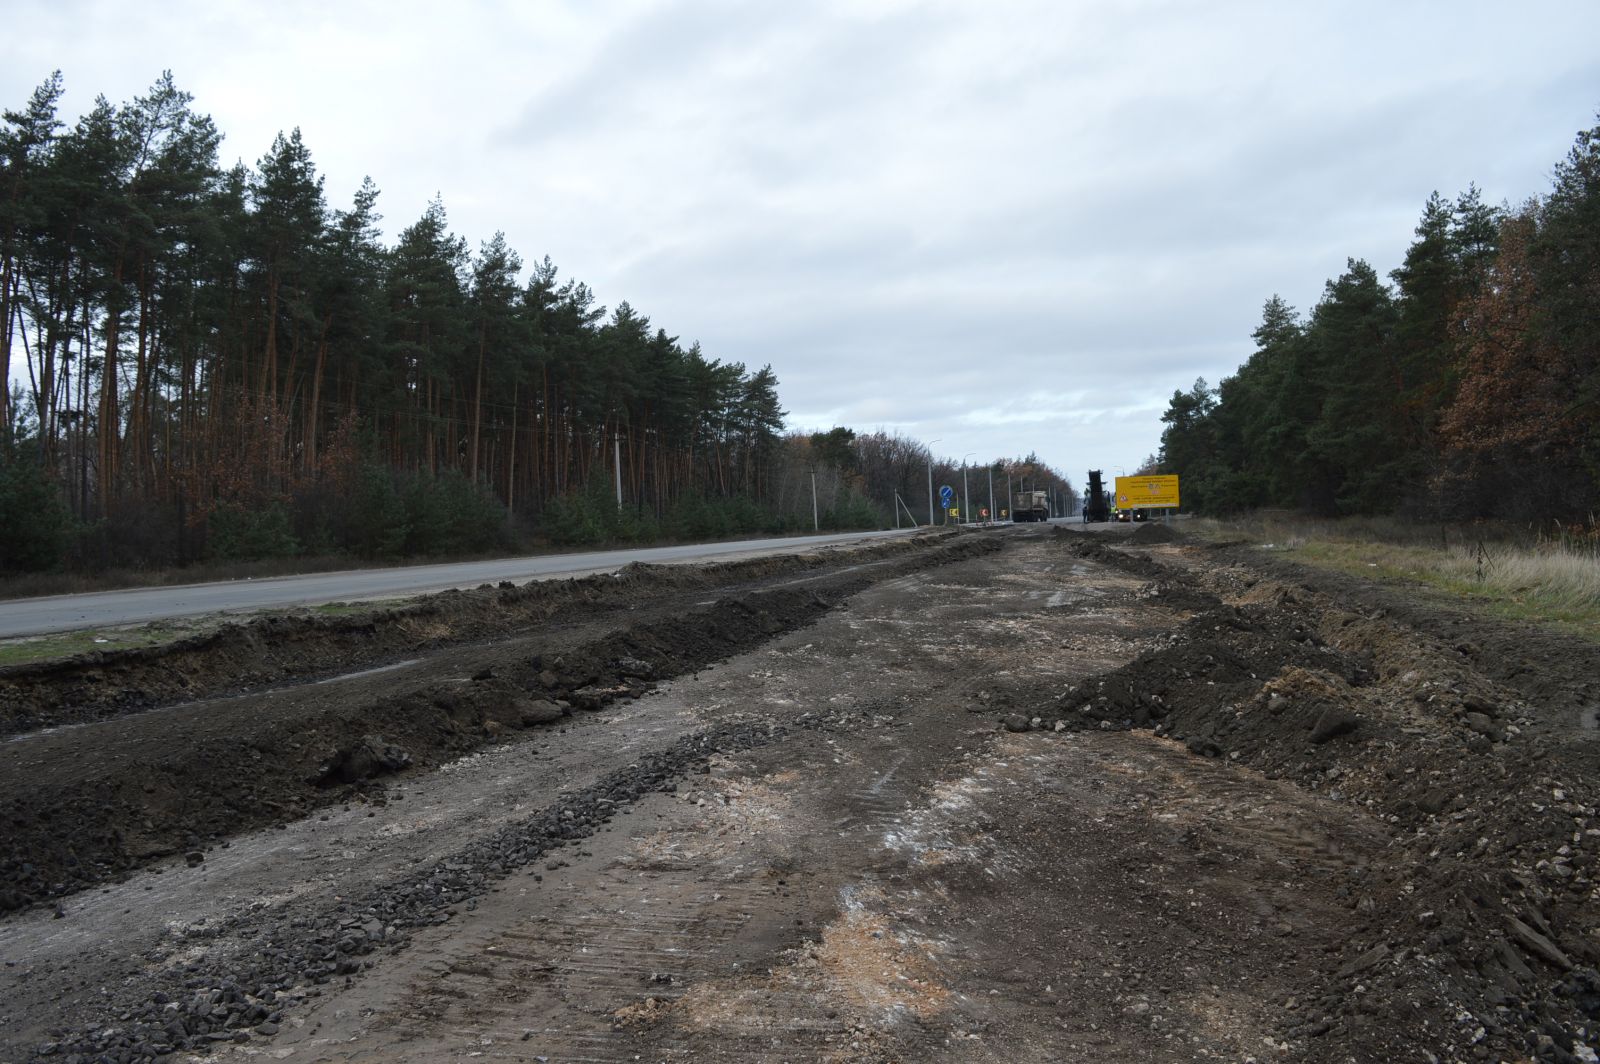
<point x="1465" y="388"/>
<point x="216" y="363"/>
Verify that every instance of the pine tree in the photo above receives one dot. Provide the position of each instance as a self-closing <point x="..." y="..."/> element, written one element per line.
<point x="1565" y="253"/>
<point x="26" y="138"/>
<point x="1351" y="358"/>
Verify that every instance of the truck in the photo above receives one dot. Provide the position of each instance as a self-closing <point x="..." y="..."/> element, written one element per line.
<point x="1096" y="500"/>
<point x="1030" y="506"/>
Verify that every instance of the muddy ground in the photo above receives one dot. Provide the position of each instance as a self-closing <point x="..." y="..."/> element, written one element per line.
<point x="276" y="649"/>
<point x="1024" y="795"/>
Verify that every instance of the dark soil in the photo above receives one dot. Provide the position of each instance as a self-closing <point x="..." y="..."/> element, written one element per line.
<point x="252" y="992"/>
<point x="1154" y="532"/>
<point x="278" y="649"/>
<point x="87" y="804"/>
<point x="1538" y="663"/>
<point x="1462" y="733"/>
<point x="1283" y="802"/>
<point x="1170" y="587"/>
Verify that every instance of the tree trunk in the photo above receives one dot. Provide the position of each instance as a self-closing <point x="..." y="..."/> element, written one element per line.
<point x="477" y="410"/>
<point x="109" y="409"/>
<point x="511" y="457"/>
<point x="269" y="356"/>
<point x="314" y="410"/>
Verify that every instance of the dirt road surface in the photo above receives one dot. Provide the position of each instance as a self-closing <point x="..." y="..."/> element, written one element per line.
<point x="1021" y="795"/>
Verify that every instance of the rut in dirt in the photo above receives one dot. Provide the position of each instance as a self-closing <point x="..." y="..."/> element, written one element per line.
<point x="191" y="1006"/>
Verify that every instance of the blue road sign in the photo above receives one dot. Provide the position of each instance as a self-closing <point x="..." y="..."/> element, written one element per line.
<point x="946" y="493"/>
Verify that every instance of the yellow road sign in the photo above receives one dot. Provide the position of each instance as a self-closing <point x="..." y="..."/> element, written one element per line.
<point x="1147" y="492"/>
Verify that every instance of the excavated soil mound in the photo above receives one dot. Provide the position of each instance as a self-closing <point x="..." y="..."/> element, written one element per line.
<point x="1192" y="687"/>
<point x="294" y="952"/>
<point x="1094" y="548"/>
<point x="276" y="649"/>
<point x="83" y="805"/>
<point x="1169" y="586"/>
<point x="1558" y="672"/>
<point x="1152" y="532"/>
<point x="1486" y="906"/>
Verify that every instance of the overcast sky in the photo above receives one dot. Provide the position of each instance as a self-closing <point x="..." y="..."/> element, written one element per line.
<point x="1010" y="226"/>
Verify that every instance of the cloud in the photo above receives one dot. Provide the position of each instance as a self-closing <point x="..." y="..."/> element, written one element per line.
<point x="1017" y="226"/>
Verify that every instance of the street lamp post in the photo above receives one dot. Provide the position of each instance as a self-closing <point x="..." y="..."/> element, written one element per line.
<point x="930" y="483"/>
<point x="815" y="526"/>
<point x="966" y="500"/>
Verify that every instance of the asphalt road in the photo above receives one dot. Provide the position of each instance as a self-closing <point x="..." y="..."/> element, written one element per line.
<point x="102" y="609"/>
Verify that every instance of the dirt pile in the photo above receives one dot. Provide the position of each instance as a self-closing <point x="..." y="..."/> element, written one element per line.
<point x="1556" y="673"/>
<point x="1094" y="548"/>
<point x="1192" y="688"/>
<point x="1486" y="907"/>
<point x="367" y="757"/>
<point x="191" y="1006"/>
<point x="1169" y="586"/>
<point x="281" y="648"/>
<point x="1153" y="532"/>
<point x="153" y="785"/>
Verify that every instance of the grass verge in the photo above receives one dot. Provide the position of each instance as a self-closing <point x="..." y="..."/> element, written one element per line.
<point x="1542" y="579"/>
<point x="27" y="649"/>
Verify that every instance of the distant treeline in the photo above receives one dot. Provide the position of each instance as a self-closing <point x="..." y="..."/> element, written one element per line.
<point x="212" y="362"/>
<point x="1469" y="388"/>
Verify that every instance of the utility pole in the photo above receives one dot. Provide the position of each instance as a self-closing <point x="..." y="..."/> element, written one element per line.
<point x="992" y="514"/>
<point x="930" y="483"/>
<point x="815" y="527"/>
<point x="966" y="500"/>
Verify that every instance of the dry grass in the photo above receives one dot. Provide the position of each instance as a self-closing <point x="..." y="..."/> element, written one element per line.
<point x="24" y="650"/>
<point x="29" y="649"/>
<point x="1552" y="577"/>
